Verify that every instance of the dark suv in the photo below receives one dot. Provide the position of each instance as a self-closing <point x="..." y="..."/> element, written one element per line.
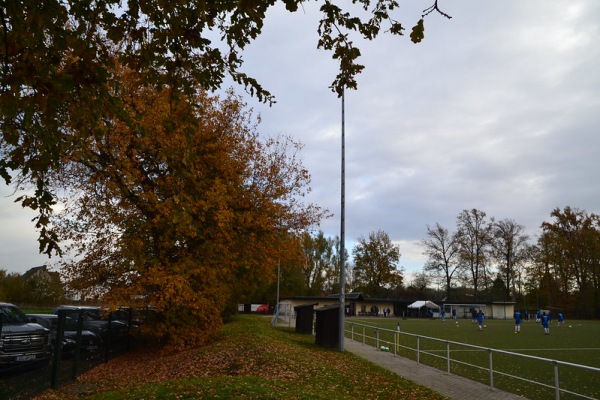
<point x="95" y="321"/>
<point x="88" y="341"/>
<point x="21" y="341"/>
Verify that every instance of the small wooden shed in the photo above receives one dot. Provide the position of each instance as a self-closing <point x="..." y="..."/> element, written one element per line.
<point x="327" y="326"/>
<point x="304" y="317"/>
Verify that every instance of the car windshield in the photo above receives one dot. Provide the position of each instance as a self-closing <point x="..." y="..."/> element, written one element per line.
<point x="93" y="314"/>
<point x="49" y="323"/>
<point x="12" y="315"/>
<point x="70" y="324"/>
<point x="120" y="315"/>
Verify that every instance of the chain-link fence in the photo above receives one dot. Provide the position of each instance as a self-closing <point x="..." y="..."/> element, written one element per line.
<point x="80" y="341"/>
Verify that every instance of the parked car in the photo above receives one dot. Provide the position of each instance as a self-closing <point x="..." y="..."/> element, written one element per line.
<point x="263" y="309"/>
<point x="127" y="316"/>
<point x="89" y="341"/>
<point x="95" y="321"/>
<point x="22" y="342"/>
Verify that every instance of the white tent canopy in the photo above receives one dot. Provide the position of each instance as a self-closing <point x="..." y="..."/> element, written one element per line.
<point x="424" y="303"/>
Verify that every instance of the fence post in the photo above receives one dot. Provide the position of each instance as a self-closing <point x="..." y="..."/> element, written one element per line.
<point x="364" y="333"/>
<point x="60" y="333"/>
<point x="77" y="345"/>
<point x="377" y="338"/>
<point x="108" y="340"/>
<point x="556" y="383"/>
<point x="395" y="344"/>
<point x="448" y="354"/>
<point x="418" y="349"/>
<point x="491" y="369"/>
<point x="129" y="321"/>
<point x="352" y="330"/>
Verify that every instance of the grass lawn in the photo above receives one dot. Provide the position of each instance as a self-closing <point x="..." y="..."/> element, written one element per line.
<point x="574" y="342"/>
<point x="252" y="360"/>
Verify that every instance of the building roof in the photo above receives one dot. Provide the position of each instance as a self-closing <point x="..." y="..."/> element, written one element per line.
<point x="348" y="296"/>
<point x="353" y="296"/>
<point x="31" y="272"/>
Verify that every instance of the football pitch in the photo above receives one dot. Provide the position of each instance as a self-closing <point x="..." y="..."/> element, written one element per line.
<point x="574" y="342"/>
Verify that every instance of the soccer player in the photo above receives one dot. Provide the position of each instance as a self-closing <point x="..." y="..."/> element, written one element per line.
<point x="480" y="320"/>
<point x="561" y="319"/>
<point x="517" y="318"/>
<point x="538" y="316"/>
<point x="545" y="323"/>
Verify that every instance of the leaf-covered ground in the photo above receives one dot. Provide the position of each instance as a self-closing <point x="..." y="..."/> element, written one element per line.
<point x="252" y="360"/>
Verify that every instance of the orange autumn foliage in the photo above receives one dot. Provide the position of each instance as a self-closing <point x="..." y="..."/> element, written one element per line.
<point x="179" y="206"/>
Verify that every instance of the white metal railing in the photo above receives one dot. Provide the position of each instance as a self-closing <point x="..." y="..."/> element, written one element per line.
<point x="384" y="336"/>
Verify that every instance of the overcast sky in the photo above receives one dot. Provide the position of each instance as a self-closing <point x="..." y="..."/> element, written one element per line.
<point x="497" y="109"/>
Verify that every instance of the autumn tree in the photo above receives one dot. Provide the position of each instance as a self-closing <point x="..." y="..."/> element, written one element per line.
<point x="288" y="277"/>
<point x="320" y="263"/>
<point x="43" y="289"/>
<point x="540" y="283"/>
<point x="332" y="275"/>
<point x="375" y="269"/>
<point x="180" y="206"/>
<point x="499" y="291"/>
<point x="292" y="279"/>
<point x="12" y="287"/>
<point x="3" y="275"/>
<point x="474" y="235"/>
<point x="510" y="249"/>
<point x="317" y="260"/>
<point x="441" y="249"/>
<point x="419" y="286"/>
<point x="572" y="252"/>
<point x="56" y="60"/>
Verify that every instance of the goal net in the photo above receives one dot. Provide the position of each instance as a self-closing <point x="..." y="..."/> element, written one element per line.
<point x="284" y="314"/>
<point x="463" y="310"/>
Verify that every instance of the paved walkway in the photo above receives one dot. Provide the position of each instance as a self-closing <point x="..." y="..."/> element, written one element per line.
<point x="450" y="385"/>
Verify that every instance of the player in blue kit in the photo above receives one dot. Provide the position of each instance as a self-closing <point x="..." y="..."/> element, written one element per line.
<point x="517" y="318"/>
<point x="545" y="322"/>
<point x="479" y="318"/>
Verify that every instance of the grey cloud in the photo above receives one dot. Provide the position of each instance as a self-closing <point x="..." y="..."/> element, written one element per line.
<point x="497" y="109"/>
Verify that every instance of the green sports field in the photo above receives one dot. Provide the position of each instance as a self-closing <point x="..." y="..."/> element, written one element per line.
<point x="575" y="342"/>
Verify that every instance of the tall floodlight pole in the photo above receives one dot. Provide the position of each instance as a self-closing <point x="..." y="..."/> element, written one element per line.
<point x="342" y="236"/>
<point x="278" y="279"/>
<point x="278" y="274"/>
